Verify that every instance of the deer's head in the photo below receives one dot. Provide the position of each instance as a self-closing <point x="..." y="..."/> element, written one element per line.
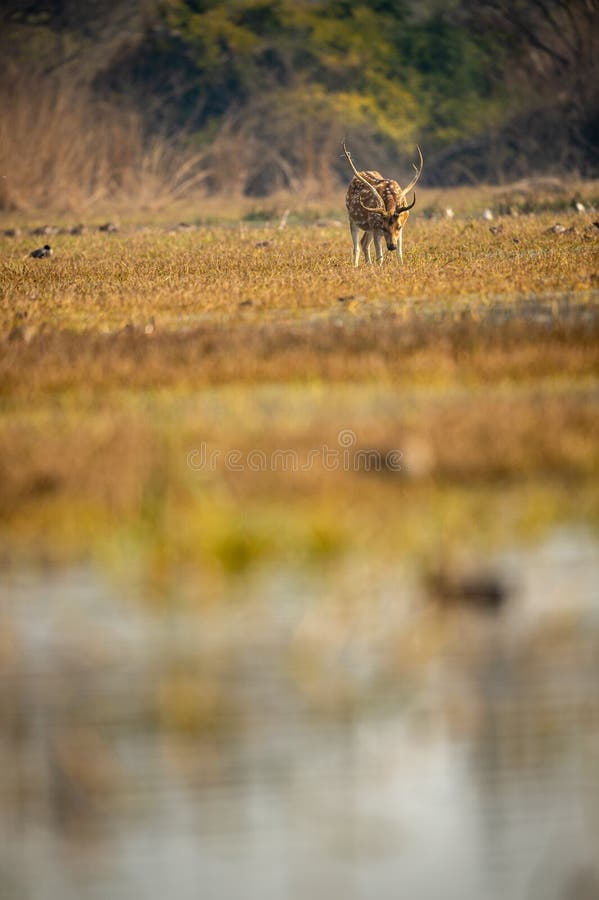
<point x="392" y="222"/>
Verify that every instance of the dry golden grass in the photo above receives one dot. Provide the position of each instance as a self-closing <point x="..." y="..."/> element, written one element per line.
<point x="206" y="293"/>
<point x="122" y="354"/>
<point x="210" y="269"/>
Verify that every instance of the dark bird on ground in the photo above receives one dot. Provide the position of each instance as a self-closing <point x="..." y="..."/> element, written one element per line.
<point x="45" y="230"/>
<point x="481" y="589"/>
<point x="42" y="252"/>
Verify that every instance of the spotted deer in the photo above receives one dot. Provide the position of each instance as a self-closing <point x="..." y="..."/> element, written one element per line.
<point x="386" y="219"/>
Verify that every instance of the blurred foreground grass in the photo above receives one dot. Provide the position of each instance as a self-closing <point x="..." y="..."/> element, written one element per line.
<point x="459" y="393"/>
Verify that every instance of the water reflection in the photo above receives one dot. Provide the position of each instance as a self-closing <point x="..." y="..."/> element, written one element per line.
<point x="338" y="734"/>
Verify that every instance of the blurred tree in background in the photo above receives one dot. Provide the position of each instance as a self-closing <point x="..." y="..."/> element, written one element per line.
<point x="268" y="88"/>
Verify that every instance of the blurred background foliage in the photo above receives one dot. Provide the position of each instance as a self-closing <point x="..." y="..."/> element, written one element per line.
<point x="253" y="96"/>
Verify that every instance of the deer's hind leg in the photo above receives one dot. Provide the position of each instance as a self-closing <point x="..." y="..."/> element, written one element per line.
<point x="366" y="241"/>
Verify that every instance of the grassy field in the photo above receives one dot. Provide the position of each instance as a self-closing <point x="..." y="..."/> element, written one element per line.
<point x="458" y="394"/>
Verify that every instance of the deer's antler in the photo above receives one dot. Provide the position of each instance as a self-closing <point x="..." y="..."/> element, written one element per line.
<point x="401" y="209"/>
<point x="418" y="170"/>
<point x="381" y="208"/>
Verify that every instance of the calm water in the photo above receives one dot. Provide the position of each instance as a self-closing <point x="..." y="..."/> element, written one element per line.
<point x="326" y="735"/>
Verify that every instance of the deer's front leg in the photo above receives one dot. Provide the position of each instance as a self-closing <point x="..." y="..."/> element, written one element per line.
<point x="399" y="247"/>
<point x="355" y="236"/>
<point x="366" y="242"/>
<point x="378" y="243"/>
